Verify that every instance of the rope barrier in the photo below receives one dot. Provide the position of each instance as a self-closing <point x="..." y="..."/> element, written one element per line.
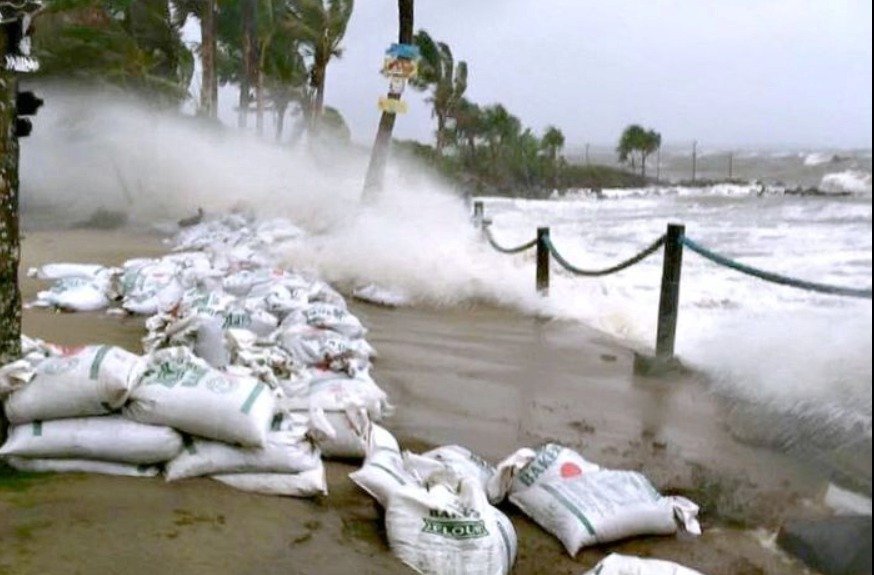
<point x="524" y="247"/>
<point x="608" y="271"/>
<point x="775" y="278"/>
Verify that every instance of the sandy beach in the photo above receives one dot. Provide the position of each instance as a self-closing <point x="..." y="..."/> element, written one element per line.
<point x="485" y="378"/>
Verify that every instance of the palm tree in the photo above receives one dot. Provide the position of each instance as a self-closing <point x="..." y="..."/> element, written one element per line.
<point x="449" y="82"/>
<point x="320" y="26"/>
<point x="553" y="141"/>
<point x="206" y="12"/>
<point x="637" y="142"/>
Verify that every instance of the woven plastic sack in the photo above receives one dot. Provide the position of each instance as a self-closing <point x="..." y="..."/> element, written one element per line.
<point x="182" y="391"/>
<point x="81" y="466"/>
<point x="616" y="564"/>
<point x="305" y="484"/>
<point x="94" y="380"/>
<point x="448" y="526"/>
<point x="285" y="451"/>
<point x="111" y="438"/>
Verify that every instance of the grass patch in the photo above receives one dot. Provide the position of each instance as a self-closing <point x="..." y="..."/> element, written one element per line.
<point x="18" y="481"/>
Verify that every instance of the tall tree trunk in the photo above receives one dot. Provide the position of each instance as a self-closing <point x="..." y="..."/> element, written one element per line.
<point x="248" y="61"/>
<point x="379" y="157"/>
<point x="209" y="78"/>
<point x="281" y="109"/>
<point x="10" y="248"/>
<point x="259" y="102"/>
<point x="643" y="165"/>
<point x="320" y="71"/>
<point x="441" y="133"/>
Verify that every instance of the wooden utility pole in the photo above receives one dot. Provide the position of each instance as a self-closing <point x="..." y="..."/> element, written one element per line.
<point x="379" y="156"/>
<point x="10" y="248"/>
<point x="695" y="161"/>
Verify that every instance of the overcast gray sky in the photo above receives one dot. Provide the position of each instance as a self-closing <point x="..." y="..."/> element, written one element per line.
<point x="760" y="73"/>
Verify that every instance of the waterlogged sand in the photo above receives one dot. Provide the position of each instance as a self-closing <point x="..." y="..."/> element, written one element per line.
<point x="482" y="377"/>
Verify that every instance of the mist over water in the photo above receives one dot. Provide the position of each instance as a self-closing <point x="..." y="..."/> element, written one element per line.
<point x="803" y="359"/>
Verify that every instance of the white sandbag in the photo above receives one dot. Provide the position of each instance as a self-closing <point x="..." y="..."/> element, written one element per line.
<point x="527" y="466"/>
<point x="464" y="462"/>
<point x="241" y="282"/>
<point x="616" y="564"/>
<point x="335" y="392"/>
<point x="182" y="391"/>
<point x="383" y="471"/>
<point x="283" y="452"/>
<point x="305" y="484"/>
<point x="75" y="294"/>
<point x="60" y="271"/>
<point x="328" y="316"/>
<point x="93" y="381"/>
<point x="442" y="530"/>
<point x="602" y="507"/>
<point x="343" y="433"/>
<point x="150" y="286"/>
<point x="381" y="296"/>
<point x="110" y="438"/>
<point x="81" y="466"/>
<point x="317" y="347"/>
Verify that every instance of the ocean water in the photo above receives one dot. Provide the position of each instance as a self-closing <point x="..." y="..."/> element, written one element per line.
<point x="796" y="365"/>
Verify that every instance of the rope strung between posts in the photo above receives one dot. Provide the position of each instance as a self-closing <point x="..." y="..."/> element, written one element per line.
<point x="524" y="247"/>
<point x="605" y="272"/>
<point x="775" y="278"/>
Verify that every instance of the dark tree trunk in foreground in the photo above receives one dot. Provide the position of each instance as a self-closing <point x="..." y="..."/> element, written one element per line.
<point x="209" y="83"/>
<point x="379" y="156"/>
<point x="10" y="249"/>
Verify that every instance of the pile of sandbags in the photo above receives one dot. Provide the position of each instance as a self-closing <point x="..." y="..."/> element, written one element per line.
<point x="65" y="418"/>
<point x="104" y="410"/>
<point x="235" y="343"/>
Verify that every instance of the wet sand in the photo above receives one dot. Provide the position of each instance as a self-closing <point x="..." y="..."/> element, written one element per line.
<point x="482" y="377"/>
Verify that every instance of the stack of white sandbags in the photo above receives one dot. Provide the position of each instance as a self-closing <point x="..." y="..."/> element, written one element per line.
<point x="65" y="418"/>
<point x="583" y="504"/>
<point x="438" y="517"/>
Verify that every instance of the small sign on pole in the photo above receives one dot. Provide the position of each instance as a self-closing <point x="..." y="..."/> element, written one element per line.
<point x="393" y="106"/>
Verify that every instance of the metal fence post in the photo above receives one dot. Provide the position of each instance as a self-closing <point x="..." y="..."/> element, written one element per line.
<point x="542" y="262"/>
<point x="478" y="214"/>
<point x="669" y="301"/>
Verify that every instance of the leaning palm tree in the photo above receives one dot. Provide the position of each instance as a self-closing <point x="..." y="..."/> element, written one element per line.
<point x="319" y="26"/>
<point x="448" y="81"/>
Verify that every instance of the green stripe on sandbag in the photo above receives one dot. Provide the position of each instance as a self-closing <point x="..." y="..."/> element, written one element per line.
<point x="98" y="359"/>
<point x="37" y="428"/>
<point x="390" y="472"/>
<point x="570" y="507"/>
<point x="250" y="401"/>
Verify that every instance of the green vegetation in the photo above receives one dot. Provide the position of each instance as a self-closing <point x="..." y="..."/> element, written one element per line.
<point x="636" y="144"/>
<point x="279" y="54"/>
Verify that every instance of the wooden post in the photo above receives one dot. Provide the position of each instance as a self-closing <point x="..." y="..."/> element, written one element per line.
<point x="695" y="161"/>
<point x="478" y="214"/>
<point x="379" y="156"/>
<point x="542" y="280"/>
<point x="669" y="302"/>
